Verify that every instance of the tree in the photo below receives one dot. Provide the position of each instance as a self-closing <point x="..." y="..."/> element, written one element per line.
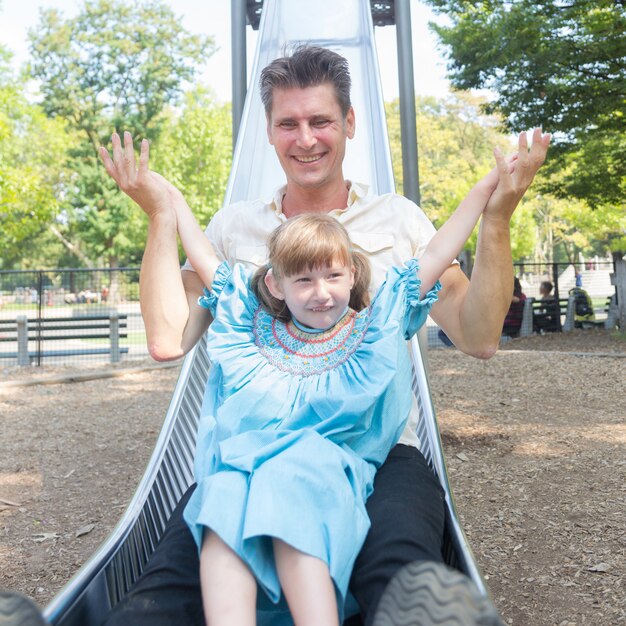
<point x="558" y="63"/>
<point x="194" y="151"/>
<point x="115" y="66"/>
<point x="455" y="142"/>
<point x="31" y="168"/>
<point x="566" y="228"/>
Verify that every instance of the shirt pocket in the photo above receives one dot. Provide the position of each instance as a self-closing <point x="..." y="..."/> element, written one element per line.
<point x="378" y="248"/>
<point x="251" y="256"/>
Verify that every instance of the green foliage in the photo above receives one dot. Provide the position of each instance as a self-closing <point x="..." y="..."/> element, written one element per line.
<point x="115" y="66"/>
<point x="455" y="145"/>
<point x="572" y="226"/>
<point x="523" y="232"/>
<point x="107" y="223"/>
<point x="566" y="227"/>
<point x="554" y="63"/>
<point x="194" y="152"/>
<point x="593" y="170"/>
<point x="31" y="167"/>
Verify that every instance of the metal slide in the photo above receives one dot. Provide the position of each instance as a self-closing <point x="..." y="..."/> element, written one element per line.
<point x="347" y="28"/>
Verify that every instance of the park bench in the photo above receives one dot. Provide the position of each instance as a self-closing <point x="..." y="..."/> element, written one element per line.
<point x="547" y="314"/>
<point x="538" y="311"/>
<point x="42" y="333"/>
<point x="610" y="308"/>
<point x="534" y="307"/>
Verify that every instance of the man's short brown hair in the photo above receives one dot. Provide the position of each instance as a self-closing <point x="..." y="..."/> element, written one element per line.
<point x="307" y="66"/>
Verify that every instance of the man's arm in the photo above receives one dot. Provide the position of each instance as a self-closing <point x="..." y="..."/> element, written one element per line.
<point x="168" y="297"/>
<point x="173" y="320"/>
<point x="471" y="313"/>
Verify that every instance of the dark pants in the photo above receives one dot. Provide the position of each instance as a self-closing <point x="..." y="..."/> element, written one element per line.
<point x="407" y="514"/>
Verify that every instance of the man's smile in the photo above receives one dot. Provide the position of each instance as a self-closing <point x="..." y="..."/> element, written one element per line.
<point x="308" y="159"/>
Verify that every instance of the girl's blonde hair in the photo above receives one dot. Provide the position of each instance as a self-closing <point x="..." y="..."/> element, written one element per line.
<point x="306" y="242"/>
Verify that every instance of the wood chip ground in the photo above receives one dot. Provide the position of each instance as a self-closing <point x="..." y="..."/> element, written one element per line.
<point x="535" y="441"/>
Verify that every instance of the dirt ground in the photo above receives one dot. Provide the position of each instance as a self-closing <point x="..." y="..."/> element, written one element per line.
<point x="535" y="440"/>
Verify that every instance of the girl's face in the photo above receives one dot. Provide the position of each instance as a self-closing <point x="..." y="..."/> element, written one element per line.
<point x="316" y="297"/>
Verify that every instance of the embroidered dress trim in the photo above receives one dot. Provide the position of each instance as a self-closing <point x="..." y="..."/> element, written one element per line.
<point x="307" y="354"/>
<point x="299" y="334"/>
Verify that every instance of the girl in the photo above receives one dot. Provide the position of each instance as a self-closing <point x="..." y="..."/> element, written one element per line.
<point x="309" y="389"/>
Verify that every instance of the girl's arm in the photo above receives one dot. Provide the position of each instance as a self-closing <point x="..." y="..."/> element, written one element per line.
<point x="197" y="247"/>
<point x="449" y="240"/>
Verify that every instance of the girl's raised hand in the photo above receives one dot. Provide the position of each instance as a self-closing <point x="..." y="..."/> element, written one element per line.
<point x="504" y="166"/>
<point x="149" y="190"/>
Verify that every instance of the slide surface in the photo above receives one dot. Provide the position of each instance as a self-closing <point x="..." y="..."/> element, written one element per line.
<point x="345" y="27"/>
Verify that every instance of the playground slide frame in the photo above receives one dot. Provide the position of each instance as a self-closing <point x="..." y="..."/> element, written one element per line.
<point x="111" y="571"/>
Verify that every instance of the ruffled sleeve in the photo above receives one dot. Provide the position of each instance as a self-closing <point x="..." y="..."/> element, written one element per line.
<point x="233" y="305"/>
<point x="417" y="310"/>
<point x="220" y="280"/>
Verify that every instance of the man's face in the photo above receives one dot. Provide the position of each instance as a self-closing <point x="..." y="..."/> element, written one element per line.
<point x="309" y="135"/>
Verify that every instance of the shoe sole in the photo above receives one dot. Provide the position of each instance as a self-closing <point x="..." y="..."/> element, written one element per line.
<point x="428" y="594"/>
<point x="18" y="610"/>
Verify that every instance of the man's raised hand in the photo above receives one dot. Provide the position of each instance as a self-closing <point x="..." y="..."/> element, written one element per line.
<point x="514" y="182"/>
<point x="152" y="192"/>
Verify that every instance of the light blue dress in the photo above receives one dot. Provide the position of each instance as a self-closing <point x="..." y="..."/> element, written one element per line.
<point x="294" y="425"/>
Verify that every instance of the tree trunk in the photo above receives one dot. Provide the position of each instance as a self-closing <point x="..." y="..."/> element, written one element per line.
<point x="71" y="247"/>
<point x="114" y="282"/>
<point x="619" y="280"/>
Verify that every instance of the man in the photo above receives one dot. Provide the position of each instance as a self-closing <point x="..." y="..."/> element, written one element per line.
<point x="309" y="119"/>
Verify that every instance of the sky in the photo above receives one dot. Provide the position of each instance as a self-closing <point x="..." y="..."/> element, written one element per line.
<point x="212" y="17"/>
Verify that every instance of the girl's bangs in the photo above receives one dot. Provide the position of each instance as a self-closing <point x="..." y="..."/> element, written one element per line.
<point x="308" y="250"/>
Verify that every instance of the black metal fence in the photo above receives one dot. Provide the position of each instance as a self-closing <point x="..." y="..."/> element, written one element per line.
<point x="70" y="316"/>
<point x="593" y="276"/>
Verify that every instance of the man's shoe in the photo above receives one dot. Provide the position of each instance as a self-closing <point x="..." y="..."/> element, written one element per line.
<point x="18" y="610"/>
<point x="427" y="593"/>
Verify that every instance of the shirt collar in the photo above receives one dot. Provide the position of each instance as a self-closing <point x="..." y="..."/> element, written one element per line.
<point x="356" y="191"/>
